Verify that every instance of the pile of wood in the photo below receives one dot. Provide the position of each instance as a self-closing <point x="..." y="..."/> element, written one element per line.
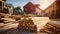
<point x="5" y="15"/>
<point x="50" y="29"/>
<point x="27" y="24"/>
<point x="7" y="22"/>
<point x="1" y="19"/>
<point x="33" y="23"/>
<point x="16" y="17"/>
<point x="28" y="15"/>
<point x="6" y="18"/>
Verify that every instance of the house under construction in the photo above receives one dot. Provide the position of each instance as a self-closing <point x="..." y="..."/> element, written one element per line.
<point x="5" y="8"/>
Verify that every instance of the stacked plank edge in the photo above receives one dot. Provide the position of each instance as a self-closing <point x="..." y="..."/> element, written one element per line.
<point x="50" y="29"/>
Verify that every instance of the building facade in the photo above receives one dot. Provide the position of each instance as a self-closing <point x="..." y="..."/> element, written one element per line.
<point x="58" y="7"/>
<point x="50" y="11"/>
<point x="2" y="5"/>
<point x="31" y="8"/>
<point x="53" y="10"/>
<point x="5" y="8"/>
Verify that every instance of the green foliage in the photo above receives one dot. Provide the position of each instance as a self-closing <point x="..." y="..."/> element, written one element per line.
<point x="19" y="8"/>
<point x="16" y="8"/>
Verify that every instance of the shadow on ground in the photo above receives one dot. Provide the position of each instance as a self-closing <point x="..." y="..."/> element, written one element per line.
<point x="16" y="31"/>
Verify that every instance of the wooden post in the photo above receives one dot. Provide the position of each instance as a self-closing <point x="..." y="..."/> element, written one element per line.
<point x="10" y="11"/>
<point x="2" y="6"/>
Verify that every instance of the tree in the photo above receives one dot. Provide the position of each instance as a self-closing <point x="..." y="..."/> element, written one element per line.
<point x="19" y="8"/>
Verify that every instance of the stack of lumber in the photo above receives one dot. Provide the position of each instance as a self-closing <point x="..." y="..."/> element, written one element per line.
<point x="5" y="15"/>
<point x="0" y="19"/>
<point x="6" y="18"/>
<point x="33" y="23"/>
<point x="16" y="17"/>
<point x="6" y="22"/>
<point x="27" y="24"/>
<point x="8" y="26"/>
<point x="50" y="29"/>
<point x="28" y="15"/>
<point x="56" y="23"/>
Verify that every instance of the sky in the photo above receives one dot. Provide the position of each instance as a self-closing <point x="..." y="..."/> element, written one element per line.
<point x="43" y="3"/>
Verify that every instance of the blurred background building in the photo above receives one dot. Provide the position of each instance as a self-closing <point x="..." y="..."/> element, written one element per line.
<point x="5" y="8"/>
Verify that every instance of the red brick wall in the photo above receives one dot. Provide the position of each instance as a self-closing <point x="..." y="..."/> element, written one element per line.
<point x="32" y="9"/>
<point x="29" y="8"/>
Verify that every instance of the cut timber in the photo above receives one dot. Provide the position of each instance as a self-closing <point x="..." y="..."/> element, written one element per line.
<point x="8" y="26"/>
<point x="33" y="23"/>
<point x="28" y="15"/>
<point x="5" y="15"/>
<point x="8" y="19"/>
<point x="16" y="17"/>
<point x="50" y="29"/>
<point x="55" y="23"/>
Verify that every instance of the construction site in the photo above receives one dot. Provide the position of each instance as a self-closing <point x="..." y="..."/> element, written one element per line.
<point x="39" y="22"/>
<point x="17" y="24"/>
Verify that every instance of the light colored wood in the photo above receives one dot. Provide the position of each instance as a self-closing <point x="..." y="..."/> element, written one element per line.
<point x="33" y="23"/>
<point x="8" y="19"/>
<point x="8" y="26"/>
